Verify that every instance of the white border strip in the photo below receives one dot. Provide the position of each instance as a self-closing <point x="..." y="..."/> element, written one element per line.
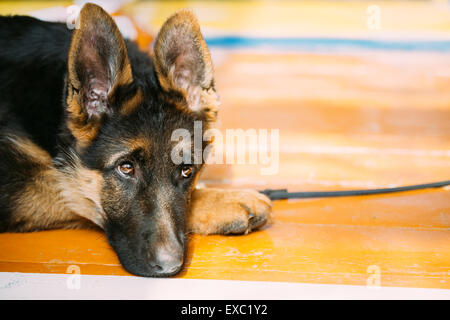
<point x="57" y="286"/>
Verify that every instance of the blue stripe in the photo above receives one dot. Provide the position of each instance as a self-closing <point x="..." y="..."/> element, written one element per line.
<point x="325" y="44"/>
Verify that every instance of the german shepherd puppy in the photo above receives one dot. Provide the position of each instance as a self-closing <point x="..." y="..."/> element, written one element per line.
<point x="85" y="137"/>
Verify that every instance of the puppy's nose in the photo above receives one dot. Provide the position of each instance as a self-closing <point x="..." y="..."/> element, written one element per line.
<point x="168" y="262"/>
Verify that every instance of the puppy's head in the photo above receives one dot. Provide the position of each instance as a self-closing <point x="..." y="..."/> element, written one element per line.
<point x="122" y="109"/>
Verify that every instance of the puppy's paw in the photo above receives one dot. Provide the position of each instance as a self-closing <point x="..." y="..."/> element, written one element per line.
<point x="223" y="211"/>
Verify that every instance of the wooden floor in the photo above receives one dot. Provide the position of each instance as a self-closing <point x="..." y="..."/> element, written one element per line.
<point x="346" y="120"/>
<point x="339" y="129"/>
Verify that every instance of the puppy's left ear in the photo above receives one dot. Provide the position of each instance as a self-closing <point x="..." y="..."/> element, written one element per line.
<point x="183" y="63"/>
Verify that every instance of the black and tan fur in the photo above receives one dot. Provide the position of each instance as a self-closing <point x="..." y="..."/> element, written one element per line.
<point x="85" y="137"/>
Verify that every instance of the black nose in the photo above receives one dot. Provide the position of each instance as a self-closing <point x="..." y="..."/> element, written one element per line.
<point x="167" y="262"/>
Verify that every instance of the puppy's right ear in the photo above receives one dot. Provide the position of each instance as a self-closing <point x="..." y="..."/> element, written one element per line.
<point x="183" y="63"/>
<point x="97" y="64"/>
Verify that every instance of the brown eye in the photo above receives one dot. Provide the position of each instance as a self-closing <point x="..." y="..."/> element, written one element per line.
<point x="126" y="169"/>
<point x="186" y="171"/>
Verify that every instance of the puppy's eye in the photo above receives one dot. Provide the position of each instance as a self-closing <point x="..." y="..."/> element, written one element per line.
<point x="186" y="171"/>
<point x="126" y="169"/>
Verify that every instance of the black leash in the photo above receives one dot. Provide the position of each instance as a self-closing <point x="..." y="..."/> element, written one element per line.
<point x="280" y="194"/>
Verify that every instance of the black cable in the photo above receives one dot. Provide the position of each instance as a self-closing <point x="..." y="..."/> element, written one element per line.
<point x="279" y="194"/>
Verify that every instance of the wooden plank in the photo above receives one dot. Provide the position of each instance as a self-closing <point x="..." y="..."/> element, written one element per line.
<point x="346" y="120"/>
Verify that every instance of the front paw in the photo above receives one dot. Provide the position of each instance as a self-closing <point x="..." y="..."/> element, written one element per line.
<point x="228" y="211"/>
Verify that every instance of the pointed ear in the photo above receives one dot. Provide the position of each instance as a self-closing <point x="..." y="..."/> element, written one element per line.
<point x="183" y="63"/>
<point x="97" y="65"/>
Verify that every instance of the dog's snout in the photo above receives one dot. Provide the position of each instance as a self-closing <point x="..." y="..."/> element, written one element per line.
<point x="168" y="261"/>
